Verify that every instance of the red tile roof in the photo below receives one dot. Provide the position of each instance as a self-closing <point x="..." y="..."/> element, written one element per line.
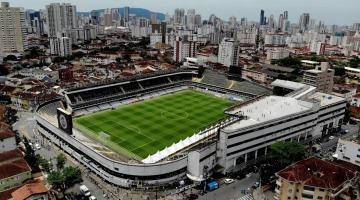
<point x="6" y="133"/>
<point x="14" y="154"/>
<point x="14" y="168"/>
<point x="318" y="173"/>
<point x="28" y="190"/>
<point x="6" y="195"/>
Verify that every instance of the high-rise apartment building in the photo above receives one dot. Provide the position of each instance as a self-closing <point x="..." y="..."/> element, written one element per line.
<point x="60" y="46"/>
<point x="304" y="21"/>
<point x="183" y="48"/>
<point x="179" y="16"/>
<point x="322" y="77"/>
<point x="286" y="15"/>
<point x="198" y="20"/>
<point x="153" y="18"/>
<point x="60" y="17"/>
<point x="12" y="29"/>
<point x="108" y="20"/>
<point x="127" y="14"/>
<point x="190" y="18"/>
<point x="94" y="17"/>
<point x="262" y="17"/>
<point x="228" y="52"/>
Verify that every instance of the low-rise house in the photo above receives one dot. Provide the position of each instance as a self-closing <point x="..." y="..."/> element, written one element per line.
<point x="31" y="191"/>
<point x="7" y="139"/>
<point x="313" y="178"/>
<point x="254" y="73"/>
<point x="346" y="91"/>
<point x="14" y="170"/>
<point x="355" y="100"/>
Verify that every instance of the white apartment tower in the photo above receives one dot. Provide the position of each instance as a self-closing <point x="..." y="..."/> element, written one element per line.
<point x="60" y="46"/>
<point x="190" y="18"/>
<point x="60" y="17"/>
<point x="228" y="52"/>
<point x="12" y="29"/>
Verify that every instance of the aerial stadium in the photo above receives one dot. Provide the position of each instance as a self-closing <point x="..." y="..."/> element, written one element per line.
<point x="160" y="128"/>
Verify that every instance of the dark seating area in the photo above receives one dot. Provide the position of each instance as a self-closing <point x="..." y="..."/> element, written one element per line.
<point x="151" y="82"/>
<point x="120" y="91"/>
<point x="130" y="87"/>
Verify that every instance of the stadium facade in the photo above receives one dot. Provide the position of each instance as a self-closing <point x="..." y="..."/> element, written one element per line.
<point x="252" y="125"/>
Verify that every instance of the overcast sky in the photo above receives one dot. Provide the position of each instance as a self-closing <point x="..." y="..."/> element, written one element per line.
<point x="331" y="11"/>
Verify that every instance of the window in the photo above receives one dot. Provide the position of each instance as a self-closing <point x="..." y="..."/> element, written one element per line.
<point x="346" y="158"/>
<point x="309" y="188"/>
<point x="309" y="196"/>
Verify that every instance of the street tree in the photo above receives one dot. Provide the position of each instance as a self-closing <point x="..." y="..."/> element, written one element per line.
<point x="56" y="180"/>
<point x="285" y="153"/>
<point x="72" y="176"/>
<point x="60" y="161"/>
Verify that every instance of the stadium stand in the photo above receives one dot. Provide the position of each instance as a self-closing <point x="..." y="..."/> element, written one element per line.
<point x="98" y="94"/>
<point x="220" y="79"/>
<point x="108" y="93"/>
<point x="50" y="110"/>
<point x="215" y="78"/>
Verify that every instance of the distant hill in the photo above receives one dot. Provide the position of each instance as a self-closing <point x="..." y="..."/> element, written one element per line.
<point x="140" y="12"/>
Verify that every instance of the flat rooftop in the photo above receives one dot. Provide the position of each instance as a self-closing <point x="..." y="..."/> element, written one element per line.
<point x="326" y="99"/>
<point x="288" y="84"/>
<point x="269" y="108"/>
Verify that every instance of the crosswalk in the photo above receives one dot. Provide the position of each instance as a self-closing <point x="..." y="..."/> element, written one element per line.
<point x="246" y="197"/>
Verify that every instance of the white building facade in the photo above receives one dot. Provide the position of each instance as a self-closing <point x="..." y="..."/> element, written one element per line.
<point x="228" y="52"/>
<point x="60" y="46"/>
<point x="348" y="151"/>
<point x="60" y="17"/>
<point x="276" y="118"/>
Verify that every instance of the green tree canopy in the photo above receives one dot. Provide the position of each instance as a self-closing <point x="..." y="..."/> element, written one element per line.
<point x="44" y="164"/>
<point x="60" y="161"/>
<point x="56" y="180"/>
<point x="72" y="175"/>
<point x="65" y="178"/>
<point x="286" y="153"/>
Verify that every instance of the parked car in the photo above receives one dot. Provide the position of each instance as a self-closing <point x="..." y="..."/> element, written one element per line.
<point x="229" y="180"/>
<point x="331" y="137"/>
<point x="92" y="198"/>
<point x="85" y="191"/>
<point x="37" y="146"/>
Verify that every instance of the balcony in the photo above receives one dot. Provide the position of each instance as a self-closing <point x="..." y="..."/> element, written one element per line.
<point x="277" y="191"/>
<point x="278" y="182"/>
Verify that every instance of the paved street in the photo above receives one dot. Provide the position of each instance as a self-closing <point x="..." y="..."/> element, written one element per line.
<point x="231" y="191"/>
<point x="26" y="126"/>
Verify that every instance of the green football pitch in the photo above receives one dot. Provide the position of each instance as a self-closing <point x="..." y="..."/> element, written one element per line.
<point x="143" y="128"/>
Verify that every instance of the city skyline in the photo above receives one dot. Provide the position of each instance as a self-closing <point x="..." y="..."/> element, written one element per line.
<point x="320" y="10"/>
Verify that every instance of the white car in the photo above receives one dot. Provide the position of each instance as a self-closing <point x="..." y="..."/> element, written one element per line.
<point x="228" y="180"/>
<point x="92" y="198"/>
<point x="85" y="191"/>
<point x="37" y="146"/>
<point x="331" y="137"/>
